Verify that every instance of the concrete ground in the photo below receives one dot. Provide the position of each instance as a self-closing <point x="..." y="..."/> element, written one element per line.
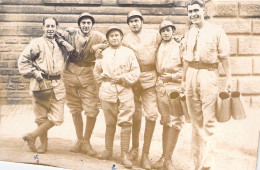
<point x="235" y="143"/>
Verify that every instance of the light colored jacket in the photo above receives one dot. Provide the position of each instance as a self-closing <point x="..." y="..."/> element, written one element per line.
<point x="144" y="44"/>
<point x="49" y="57"/>
<point x="120" y="63"/>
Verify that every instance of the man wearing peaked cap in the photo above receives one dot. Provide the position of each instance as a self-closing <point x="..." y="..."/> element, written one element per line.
<point x="169" y="69"/>
<point x="115" y="73"/>
<point x="205" y="45"/>
<point x="144" y="43"/>
<point x="81" y="92"/>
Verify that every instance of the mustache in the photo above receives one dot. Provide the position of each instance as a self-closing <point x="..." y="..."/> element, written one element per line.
<point x="195" y="16"/>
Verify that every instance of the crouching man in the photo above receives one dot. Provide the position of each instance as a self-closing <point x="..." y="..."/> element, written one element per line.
<point x="43" y="61"/>
<point x="115" y="73"/>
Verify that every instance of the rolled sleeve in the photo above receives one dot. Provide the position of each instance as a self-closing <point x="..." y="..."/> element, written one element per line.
<point x="223" y="44"/>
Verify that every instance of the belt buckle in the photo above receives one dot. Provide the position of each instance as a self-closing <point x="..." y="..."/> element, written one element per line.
<point x="197" y="64"/>
<point x="48" y="76"/>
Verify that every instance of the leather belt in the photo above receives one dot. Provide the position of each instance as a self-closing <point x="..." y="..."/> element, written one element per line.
<point x="51" y="77"/>
<point x="83" y="64"/>
<point x="200" y="65"/>
<point x="108" y="79"/>
<point x="145" y="68"/>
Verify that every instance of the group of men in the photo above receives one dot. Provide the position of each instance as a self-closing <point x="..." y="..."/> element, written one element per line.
<point x="132" y="75"/>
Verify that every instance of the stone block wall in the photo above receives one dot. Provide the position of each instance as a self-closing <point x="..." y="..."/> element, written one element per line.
<point x="21" y="22"/>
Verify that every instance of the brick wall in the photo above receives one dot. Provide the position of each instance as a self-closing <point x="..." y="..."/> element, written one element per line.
<point x="21" y="21"/>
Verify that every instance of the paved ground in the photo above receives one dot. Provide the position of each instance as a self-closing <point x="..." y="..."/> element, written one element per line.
<point x="235" y="143"/>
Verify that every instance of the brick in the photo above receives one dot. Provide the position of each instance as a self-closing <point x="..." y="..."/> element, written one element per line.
<point x="256" y="64"/>
<point x="249" y="45"/>
<point x="8" y="30"/>
<point x="255" y="102"/>
<point x="249" y="9"/>
<point x="235" y="26"/>
<point x="19" y="48"/>
<point x="10" y="87"/>
<point x="63" y="9"/>
<point x="4" y="79"/>
<point x="16" y="79"/>
<point x="249" y="85"/>
<point x="3" y="94"/>
<point x="3" y="64"/>
<point x="24" y="80"/>
<point x="30" y="30"/>
<point x="109" y="2"/>
<point x="224" y="9"/>
<point x="27" y="9"/>
<point x="17" y="72"/>
<point x="233" y="45"/>
<point x="21" y="2"/>
<point x="7" y="72"/>
<point x="19" y="101"/>
<point x="5" y="48"/>
<point x="22" y="87"/>
<point x="10" y="57"/>
<point x="11" y="40"/>
<point x="2" y="86"/>
<point x="222" y="83"/>
<point x="86" y="2"/>
<point x="246" y="100"/>
<point x="25" y="40"/>
<point x="18" y="94"/>
<point x="256" y="26"/>
<point x="239" y="66"/>
<point x="14" y="64"/>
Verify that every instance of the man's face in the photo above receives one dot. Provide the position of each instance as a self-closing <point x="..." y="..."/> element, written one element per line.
<point x="115" y="38"/>
<point x="49" y="28"/>
<point x="135" y="24"/>
<point x="195" y="13"/>
<point x="167" y="33"/>
<point x="86" y="25"/>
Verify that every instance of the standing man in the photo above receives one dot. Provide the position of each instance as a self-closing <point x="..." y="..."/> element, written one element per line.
<point x="144" y="43"/>
<point x="43" y="61"/>
<point x="169" y="69"/>
<point x="115" y="73"/>
<point x="206" y="45"/>
<point x="81" y="92"/>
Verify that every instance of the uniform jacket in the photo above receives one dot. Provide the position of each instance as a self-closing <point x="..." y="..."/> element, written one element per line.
<point x="117" y="63"/>
<point x="168" y="61"/>
<point x="49" y="57"/>
<point x="212" y="44"/>
<point x="82" y="44"/>
<point x="144" y="45"/>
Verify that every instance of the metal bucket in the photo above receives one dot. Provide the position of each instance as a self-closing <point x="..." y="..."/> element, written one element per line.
<point x="175" y="104"/>
<point x="223" y="107"/>
<point x="238" y="107"/>
<point x="184" y="107"/>
<point x="44" y="93"/>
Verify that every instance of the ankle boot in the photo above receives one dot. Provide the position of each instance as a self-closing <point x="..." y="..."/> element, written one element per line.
<point x="148" y="134"/>
<point x="171" y="143"/>
<point x="125" y="141"/>
<point x="159" y="163"/>
<point x="78" y="123"/>
<point x="31" y="137"/>
<point x="134" y="152"/>
<point x="109" y="141"/>
<point x="87" y="148"/>
<point x="44" y="142"/>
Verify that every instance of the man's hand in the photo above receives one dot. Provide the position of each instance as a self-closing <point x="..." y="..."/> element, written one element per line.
<point x="178" y="38"/>
<point x="116" y="80"/>
<point x="38" y="75"/>
<point x="98" y="54"/>
<point x="166" y="77"/>
<point x="71" y="30"/>
<point x="229" y="84"/>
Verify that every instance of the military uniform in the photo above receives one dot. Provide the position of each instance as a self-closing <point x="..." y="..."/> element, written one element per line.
<point x="81" y="92"/>
<point x="204" y="48"/>
<point x="44" y="57"/>
<point x="117" y="98"/>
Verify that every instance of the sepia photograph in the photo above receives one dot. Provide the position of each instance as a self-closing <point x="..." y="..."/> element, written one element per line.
<point x="130" y="84"/>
